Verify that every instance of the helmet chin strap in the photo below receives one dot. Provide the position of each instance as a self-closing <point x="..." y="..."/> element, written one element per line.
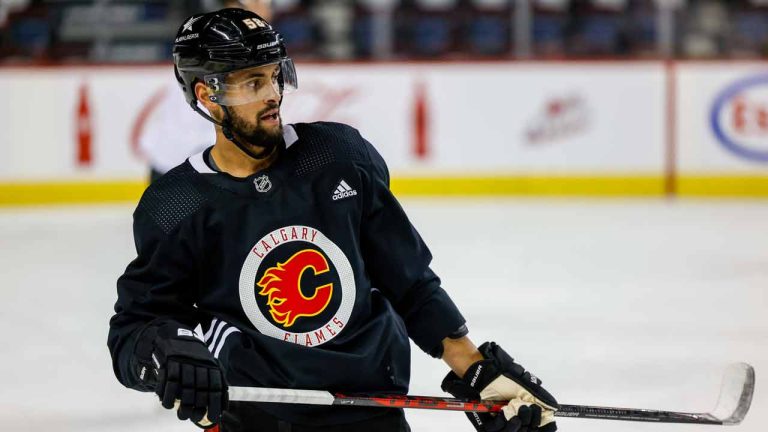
<point x="226" y="129"/>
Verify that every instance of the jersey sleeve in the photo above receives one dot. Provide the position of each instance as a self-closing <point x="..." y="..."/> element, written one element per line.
<point x="397" y="259"/>
<point x="158" y="287"/>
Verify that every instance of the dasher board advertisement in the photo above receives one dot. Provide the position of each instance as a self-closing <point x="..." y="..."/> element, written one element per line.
<point x="722" y="118"/>
<point x="451" y="119"/>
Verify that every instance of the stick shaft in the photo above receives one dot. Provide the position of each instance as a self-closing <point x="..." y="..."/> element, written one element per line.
<point x="733" y="404"/>
<point x="314" y="397"/>
<point x="575" y="411"/>
<point x="634" y="414"/>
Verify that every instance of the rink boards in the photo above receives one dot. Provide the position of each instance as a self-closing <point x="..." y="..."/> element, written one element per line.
<point x="496" y="128"/>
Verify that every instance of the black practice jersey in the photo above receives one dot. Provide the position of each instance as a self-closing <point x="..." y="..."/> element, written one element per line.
<point x="306" y="275"/>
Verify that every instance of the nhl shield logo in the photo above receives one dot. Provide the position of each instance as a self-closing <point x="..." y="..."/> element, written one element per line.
<point x="262" y="183"/>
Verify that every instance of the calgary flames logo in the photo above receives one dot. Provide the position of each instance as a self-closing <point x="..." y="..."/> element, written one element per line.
<point x="306" y="299"/>
<point x="282" y="287"/>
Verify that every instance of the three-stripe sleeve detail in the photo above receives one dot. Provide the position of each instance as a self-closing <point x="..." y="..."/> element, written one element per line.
<point x="217" y="335"/>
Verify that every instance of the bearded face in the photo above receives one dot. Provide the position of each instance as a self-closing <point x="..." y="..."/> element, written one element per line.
<point x="262" y="131"/>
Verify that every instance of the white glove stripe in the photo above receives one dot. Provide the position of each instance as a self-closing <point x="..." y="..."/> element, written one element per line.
<point x="547" y="417"/>
<point x="503" y="388"/>
<point x="513" y="407"/>
<point x="204" y="422"/>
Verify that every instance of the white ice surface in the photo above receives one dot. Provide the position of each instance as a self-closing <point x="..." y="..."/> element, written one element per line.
<point x="623" y="303"/>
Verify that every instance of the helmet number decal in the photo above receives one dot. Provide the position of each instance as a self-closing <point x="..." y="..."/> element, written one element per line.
<point x="254" y="23"/>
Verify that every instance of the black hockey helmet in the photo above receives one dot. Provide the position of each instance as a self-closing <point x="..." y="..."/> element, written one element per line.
<point x="211" y="45"/>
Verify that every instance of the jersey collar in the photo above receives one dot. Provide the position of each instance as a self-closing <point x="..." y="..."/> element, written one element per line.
<point x="200" y="165"/>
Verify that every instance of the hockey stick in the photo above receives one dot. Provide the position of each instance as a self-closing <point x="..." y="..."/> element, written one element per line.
<point x="732" y="406"/>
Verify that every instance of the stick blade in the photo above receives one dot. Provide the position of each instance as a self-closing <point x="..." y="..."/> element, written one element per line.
<point x="735" y="394"/>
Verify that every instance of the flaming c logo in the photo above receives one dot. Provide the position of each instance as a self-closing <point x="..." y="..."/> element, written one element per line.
<point x="306" y="299"/>
<point x="282" y="287"/>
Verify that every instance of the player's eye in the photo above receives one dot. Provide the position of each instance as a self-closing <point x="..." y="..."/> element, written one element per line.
<point x="253" y="84"/>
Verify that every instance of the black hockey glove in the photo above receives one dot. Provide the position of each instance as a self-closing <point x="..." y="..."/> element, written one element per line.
<point x="184" y="374"/>
<point x="498" y="377"/>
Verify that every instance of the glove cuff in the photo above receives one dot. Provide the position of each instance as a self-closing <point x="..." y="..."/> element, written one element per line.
<point x="161" y="341"/>
<point x="505" y="365"/>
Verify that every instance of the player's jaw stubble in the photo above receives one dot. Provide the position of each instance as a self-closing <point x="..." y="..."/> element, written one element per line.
<point x="258" y="137"/>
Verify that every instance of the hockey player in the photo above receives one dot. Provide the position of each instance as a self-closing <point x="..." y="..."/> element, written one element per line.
<point x="279" y="258"/>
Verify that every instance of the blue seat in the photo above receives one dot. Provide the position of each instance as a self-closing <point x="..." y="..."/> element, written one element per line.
<point x="646" y="29"/>
<point x="363" y="35"/>
<point x="751" y="26"/>
<point x="154" y="11"/>
<point x="298" y="32"/>
<point x="30" y="34"/>
<point x="600" y="33"/>
<point x="548" y="28"/>
<point x="432" y="35"/>
<point x="489" y="35"/>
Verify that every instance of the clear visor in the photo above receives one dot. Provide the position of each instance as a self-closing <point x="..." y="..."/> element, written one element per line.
<point x="254" y="84"/>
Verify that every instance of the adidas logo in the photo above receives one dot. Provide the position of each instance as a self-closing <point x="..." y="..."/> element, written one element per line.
<point x="343" y="191"/>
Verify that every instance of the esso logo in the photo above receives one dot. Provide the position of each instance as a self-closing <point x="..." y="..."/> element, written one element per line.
<point x="739" y="118"/>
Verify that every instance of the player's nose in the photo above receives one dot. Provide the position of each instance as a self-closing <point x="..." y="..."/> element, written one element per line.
<point x="274" y="94"/>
